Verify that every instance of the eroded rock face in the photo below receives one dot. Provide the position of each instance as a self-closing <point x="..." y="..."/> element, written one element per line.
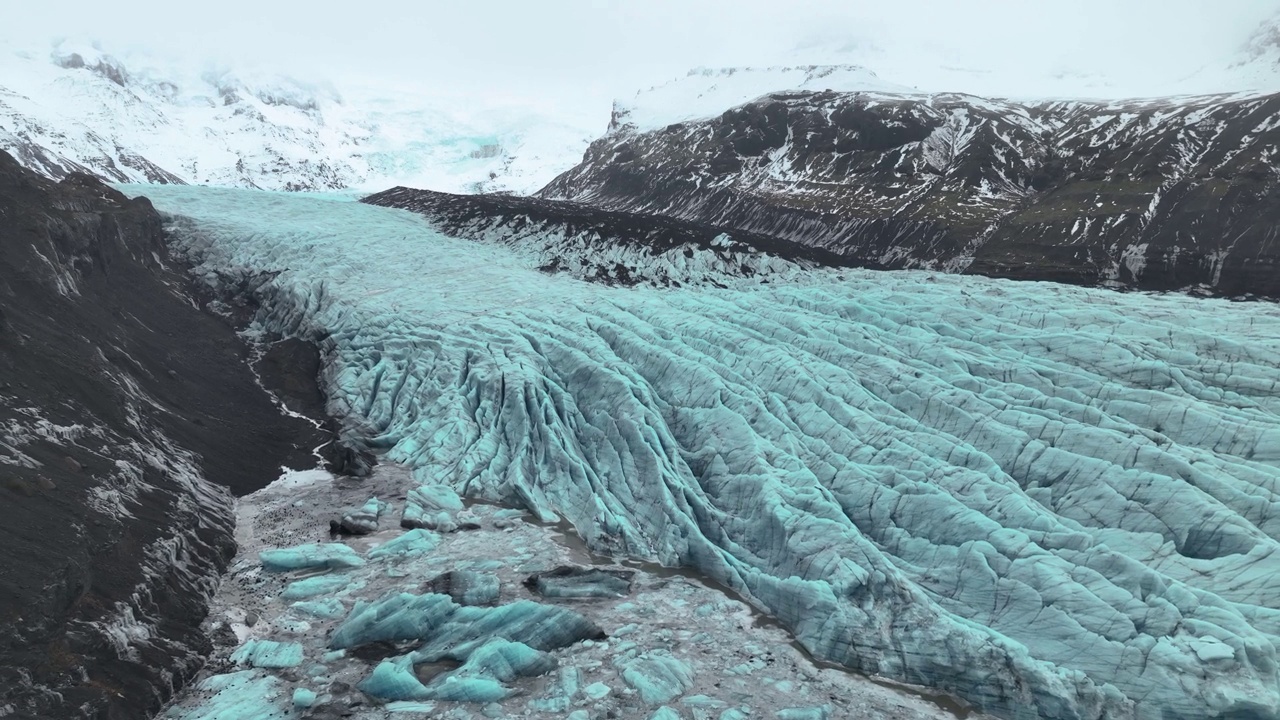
<point x="119" y="401"/>
<point x="1156" y="194"/>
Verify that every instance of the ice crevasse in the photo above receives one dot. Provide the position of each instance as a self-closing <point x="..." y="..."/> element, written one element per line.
<point x="1052" y="501"/>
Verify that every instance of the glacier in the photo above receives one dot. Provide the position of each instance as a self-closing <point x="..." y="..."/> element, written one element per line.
<point x="133" y="117"/>
<point x="1051" y="501"/>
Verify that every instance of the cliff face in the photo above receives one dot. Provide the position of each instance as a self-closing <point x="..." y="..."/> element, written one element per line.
<point x="121" y="405"/>
<point x="1151" y="194"/>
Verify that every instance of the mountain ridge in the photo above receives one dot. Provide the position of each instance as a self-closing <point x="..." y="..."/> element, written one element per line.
<point x="1173" y="193"/>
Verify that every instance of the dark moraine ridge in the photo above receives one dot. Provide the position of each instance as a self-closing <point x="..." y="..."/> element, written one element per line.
<point x="518" y="217"/>
<point x="125" y="414"/>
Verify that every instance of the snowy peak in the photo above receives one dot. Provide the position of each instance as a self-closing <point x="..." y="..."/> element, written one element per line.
<point x="1259" y="61"/>
<point x="81" y="109"/>
<point x="706" y="92"/>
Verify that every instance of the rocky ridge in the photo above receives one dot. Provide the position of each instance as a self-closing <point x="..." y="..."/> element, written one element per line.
<point x="1152" y="194"/>
<point x="126" y="413"/>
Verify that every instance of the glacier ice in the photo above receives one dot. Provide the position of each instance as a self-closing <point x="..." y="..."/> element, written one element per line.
<point x="303" y="698"/>
<point x="1051" y="501"/>
<point x="313" y="586"/>
<point x="656" y="675"/>
<point x="432" y="507"/>
<point x="414" y="542"/>
<point x="579" y="582"/>
<point x="241" y="695"/>
<point x="449" y="630"/>
<point x="466" y="587"/>
<point x="310" y="556"/>
<point x="268" y="654"/>
<point x="363" y="520"/>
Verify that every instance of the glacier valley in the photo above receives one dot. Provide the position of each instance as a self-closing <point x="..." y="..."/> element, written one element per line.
<point x="1050" y="501"/>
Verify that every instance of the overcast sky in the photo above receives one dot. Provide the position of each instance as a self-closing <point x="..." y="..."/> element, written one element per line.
<point x="600" y="49"/>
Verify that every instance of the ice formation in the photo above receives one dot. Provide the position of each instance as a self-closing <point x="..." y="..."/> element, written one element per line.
<point x="1052" y="501"/>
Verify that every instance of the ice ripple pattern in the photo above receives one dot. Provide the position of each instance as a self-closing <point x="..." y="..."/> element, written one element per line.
<point x="1052" y="501"/>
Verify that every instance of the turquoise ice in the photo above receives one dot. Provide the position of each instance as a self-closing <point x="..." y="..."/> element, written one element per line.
<point x="1049" y="500"/>
<point x="268" y="654"/>
<point x="310" y="557"/>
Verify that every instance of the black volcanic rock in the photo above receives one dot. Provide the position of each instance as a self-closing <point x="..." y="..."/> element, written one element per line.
<point x="566" y="234"/>
<point x="1152" y="194"/>
<point x="119" y="398"/>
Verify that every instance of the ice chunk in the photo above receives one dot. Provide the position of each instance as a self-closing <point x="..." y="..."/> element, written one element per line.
<point x="505" y="661"/>
<point x="394" y="680"/>
<point x="243" y="695"/>
<point x="815" y="713"/>
<point x="542" y="627"/>
<point x="432" y="507"/>
<point x="305" y="557"/>
<point x="303" y="698"/>
<point x="466" y="587"/>
<point x="364" y="520"/>
<point x="481" y="679"/>
<point x="318" y="585"/>
<point x="657" y="675"/>
<point x="561" y="693"/>
<point x="596" y="691"/>
<point x="665" y="713"/>
<point x="410" y="544"/>
<point x="580" y="582"/>
<point x="453" y="631"/>
<point x="268" y="654"/>
<point x="404" y="616"/>
<point x="328" y="609"/>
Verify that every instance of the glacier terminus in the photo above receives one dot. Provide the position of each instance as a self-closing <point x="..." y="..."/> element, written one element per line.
<point x="1049" y="501"/>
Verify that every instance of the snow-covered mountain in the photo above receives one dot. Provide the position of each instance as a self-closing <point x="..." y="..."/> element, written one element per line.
<point x="1158" y="193"/>
<point x="707" y="92"/>
<point x="80" y="108"/>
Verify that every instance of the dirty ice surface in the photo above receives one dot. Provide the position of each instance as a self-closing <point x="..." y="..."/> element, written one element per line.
<point x="402" y="636"/>
<point x="1051" y="501"/>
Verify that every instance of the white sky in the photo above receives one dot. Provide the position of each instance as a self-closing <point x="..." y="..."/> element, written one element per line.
<point x="579" y="51"/>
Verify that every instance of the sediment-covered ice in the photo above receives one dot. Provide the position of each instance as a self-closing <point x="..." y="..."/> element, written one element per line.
<point x="1055" y="502"/>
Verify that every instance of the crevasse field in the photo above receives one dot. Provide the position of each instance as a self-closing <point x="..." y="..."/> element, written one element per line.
<point x="1051" y="501"/>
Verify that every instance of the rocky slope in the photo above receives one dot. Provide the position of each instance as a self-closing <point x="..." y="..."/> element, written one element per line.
<point x="121" y="405"/>
<point x="1152" y="194"/>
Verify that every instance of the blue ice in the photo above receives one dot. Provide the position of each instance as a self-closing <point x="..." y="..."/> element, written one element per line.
<point x="1047" y="499"/>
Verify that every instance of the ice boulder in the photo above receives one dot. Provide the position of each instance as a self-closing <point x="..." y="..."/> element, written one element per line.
<point x="268" y="654"/>
<point x="657" y="675"/>
<point x="309" y="557"/>
<point x="433" y="507"/>
<point x="410" y="544"/>
<point x="581" y="583"/>
<point x="466" y="587"/>
<point x="362" y="521"/>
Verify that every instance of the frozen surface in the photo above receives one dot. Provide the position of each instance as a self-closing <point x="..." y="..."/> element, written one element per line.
<point x="134" y="118"/>
<point x="677" y="636"/>
<point x="707" y="92"/>
<point x="1046" y="499"/>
